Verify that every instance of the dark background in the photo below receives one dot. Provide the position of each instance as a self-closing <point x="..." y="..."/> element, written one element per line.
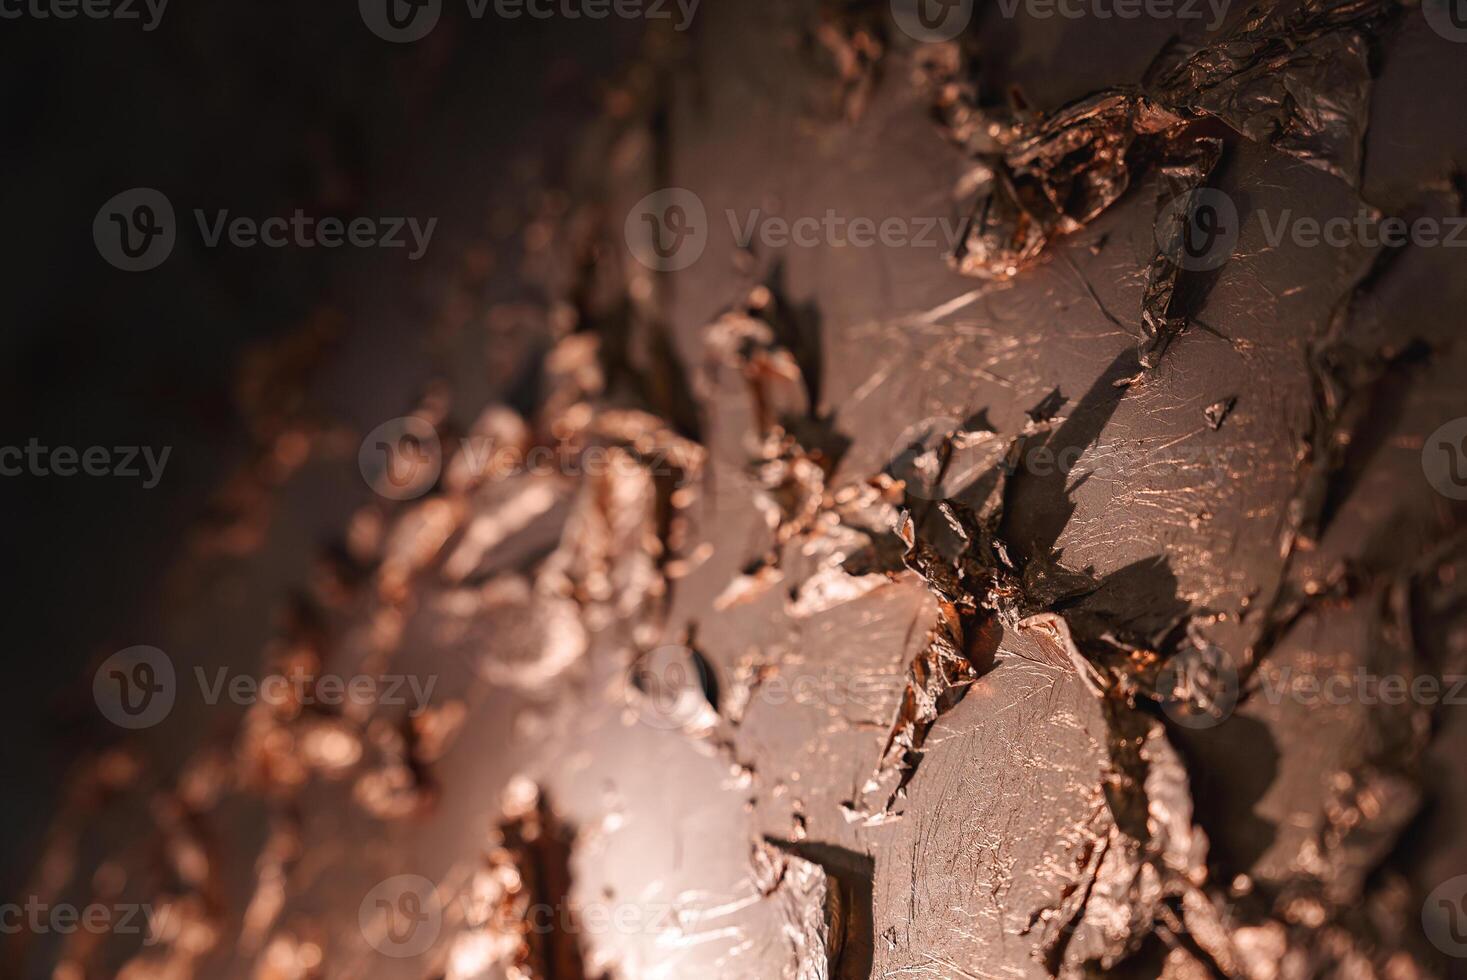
<point x="258" y="108"/>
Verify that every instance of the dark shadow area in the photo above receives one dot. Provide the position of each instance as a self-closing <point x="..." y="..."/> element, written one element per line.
<point x="851" y="875"/>
<point x="1225" y="794"/>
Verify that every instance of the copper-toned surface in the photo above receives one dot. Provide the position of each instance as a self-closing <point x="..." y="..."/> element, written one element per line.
<point x="717" y="601"/>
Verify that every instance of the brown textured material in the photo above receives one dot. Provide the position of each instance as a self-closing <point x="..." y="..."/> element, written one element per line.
<point x="861" y="622"/>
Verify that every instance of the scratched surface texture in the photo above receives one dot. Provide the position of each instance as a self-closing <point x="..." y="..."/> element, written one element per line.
<point x="873" y="651"/>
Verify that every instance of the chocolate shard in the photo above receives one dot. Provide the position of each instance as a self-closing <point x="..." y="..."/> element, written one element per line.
<point x="954" y="547"/>
<point x="519" y="917"/>
<point x="1293" y="75"/>
<point x="1163" y="307"/>
<point x="1218" y="411"/>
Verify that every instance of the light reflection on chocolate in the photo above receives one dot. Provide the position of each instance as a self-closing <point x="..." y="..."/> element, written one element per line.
<point x="920" y="722"/>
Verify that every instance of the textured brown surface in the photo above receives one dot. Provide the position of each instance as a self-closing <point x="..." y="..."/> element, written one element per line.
<point x="825" y="670"/>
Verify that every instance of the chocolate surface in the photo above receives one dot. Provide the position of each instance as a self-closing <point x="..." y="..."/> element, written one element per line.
<point x="1052" y="600"/>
